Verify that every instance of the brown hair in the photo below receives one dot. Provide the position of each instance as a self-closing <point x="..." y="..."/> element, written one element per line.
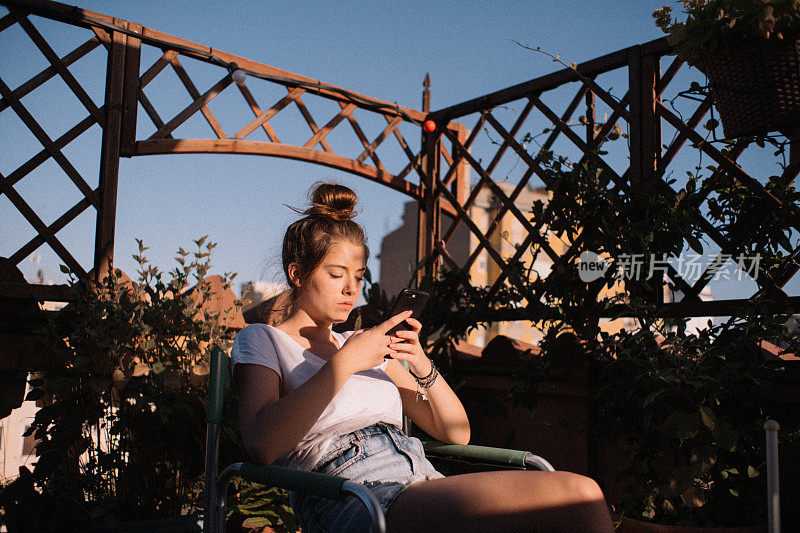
<point x="327" y="221"/>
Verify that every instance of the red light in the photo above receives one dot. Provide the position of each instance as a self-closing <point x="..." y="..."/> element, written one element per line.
<point x="429" y="126"/>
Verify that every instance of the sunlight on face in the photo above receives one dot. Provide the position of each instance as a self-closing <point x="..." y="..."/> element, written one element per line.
<point x="332" y="289"/>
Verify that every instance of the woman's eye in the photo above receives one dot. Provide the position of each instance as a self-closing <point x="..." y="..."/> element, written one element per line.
<point x="359" y="279"/>
<point x="335" y="276"/>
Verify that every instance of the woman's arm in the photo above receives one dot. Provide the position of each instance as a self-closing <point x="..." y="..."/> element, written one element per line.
<point x="442" y="415"/>
<point x="272" y="425"/>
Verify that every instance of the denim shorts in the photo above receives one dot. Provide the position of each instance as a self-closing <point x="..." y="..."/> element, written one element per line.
<point x="379" y="456"/>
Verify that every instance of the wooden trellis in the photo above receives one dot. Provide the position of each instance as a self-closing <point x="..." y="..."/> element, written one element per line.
<point x="127" y="82"/>
<point x="644" y="112"/>
<point x="435" y="174"/>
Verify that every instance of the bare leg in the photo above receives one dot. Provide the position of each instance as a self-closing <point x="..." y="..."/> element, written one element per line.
<point x="502" y="501"/>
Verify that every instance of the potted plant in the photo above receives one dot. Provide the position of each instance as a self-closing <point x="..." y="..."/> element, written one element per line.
<point x="750" y="52"/>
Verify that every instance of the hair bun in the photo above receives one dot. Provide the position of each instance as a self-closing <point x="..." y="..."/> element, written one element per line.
<point x="333" y="201"/>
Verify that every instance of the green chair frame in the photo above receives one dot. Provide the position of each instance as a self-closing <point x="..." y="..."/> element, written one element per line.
<point x="323" y="485"/>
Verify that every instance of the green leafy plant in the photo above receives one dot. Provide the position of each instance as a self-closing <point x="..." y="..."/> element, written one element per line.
<point x="685" y="409"/>
<point x="712" y="25"/>
<point x="122" y="428"/>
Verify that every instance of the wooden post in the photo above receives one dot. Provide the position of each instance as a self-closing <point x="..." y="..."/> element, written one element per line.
<point x="427" y="221"/>
<point x="592" y="438"/>
<point x="428" y="216"/>
<point x="645" y="128"/>
<point x="109" y="155"/>
<point x="130" y="92"/>
<point x="651" y="149"/>
<point x="645" y="144"/>
<point x="432" y="222"/>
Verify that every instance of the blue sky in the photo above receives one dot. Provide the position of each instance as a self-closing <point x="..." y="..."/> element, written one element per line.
<point x="381" y="49"/>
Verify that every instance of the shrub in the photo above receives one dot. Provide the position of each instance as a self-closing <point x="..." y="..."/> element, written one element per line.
<point x="122" y="428"/>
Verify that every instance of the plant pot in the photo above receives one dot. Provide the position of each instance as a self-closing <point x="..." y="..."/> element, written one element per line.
<point x="756" y="87"/>
<point x="628" y="525"/>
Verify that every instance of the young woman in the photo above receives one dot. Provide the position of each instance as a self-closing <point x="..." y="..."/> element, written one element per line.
<point x="313" y="399"/>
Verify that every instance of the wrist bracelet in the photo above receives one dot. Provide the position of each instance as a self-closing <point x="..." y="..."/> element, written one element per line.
<point x="426" y="382"/>
<point x="433" y="367"/>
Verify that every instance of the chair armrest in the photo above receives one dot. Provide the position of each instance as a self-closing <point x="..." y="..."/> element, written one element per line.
<point x="485" y="454"/>
<point x="322" y="485"/>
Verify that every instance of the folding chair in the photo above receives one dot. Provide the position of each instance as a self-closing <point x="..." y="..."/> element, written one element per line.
<point x="323" y="485"/>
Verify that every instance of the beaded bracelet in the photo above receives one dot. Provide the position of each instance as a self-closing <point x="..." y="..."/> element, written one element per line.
<point x="426" y="382"/>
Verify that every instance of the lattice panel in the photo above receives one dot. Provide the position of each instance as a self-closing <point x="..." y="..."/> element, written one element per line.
<point x="572" y="115"/>
<point x="490" y="158"/>
<point x="167" y="95"/>
<point x="49" y="186"/>
<point x="270" y="114"/>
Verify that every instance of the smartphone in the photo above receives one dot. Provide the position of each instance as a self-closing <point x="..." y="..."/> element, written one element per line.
<point x="408" y="300"/>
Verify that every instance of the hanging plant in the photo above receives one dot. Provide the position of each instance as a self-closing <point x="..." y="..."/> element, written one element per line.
<point x="750" y="52"/>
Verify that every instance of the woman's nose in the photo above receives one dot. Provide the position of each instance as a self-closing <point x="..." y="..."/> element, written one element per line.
<point x="349" y="287"/>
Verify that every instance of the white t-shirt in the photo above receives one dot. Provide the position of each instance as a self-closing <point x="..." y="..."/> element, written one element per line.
<point x="366" y="397"/>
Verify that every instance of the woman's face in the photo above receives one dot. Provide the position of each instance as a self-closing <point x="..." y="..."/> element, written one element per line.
<point x="331" y="291"/>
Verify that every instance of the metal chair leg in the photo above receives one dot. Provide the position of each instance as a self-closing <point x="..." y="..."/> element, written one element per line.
<point x="368" y="499"/>
<point x="212" y="469"/>
<point x="221" y="509"/>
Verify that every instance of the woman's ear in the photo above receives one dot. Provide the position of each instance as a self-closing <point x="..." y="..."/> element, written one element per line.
<point x="294" y="274"/>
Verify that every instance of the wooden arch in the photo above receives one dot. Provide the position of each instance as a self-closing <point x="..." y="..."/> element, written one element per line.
<point x="127" y="81"/>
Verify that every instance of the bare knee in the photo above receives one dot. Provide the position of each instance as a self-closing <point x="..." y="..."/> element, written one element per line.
<point x="582" y="488"/>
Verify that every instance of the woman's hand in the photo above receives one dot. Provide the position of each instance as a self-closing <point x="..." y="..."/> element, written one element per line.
<point x="440" y="413"/>
<point x="366" y="348"/>
<point x="407" y="347"/>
